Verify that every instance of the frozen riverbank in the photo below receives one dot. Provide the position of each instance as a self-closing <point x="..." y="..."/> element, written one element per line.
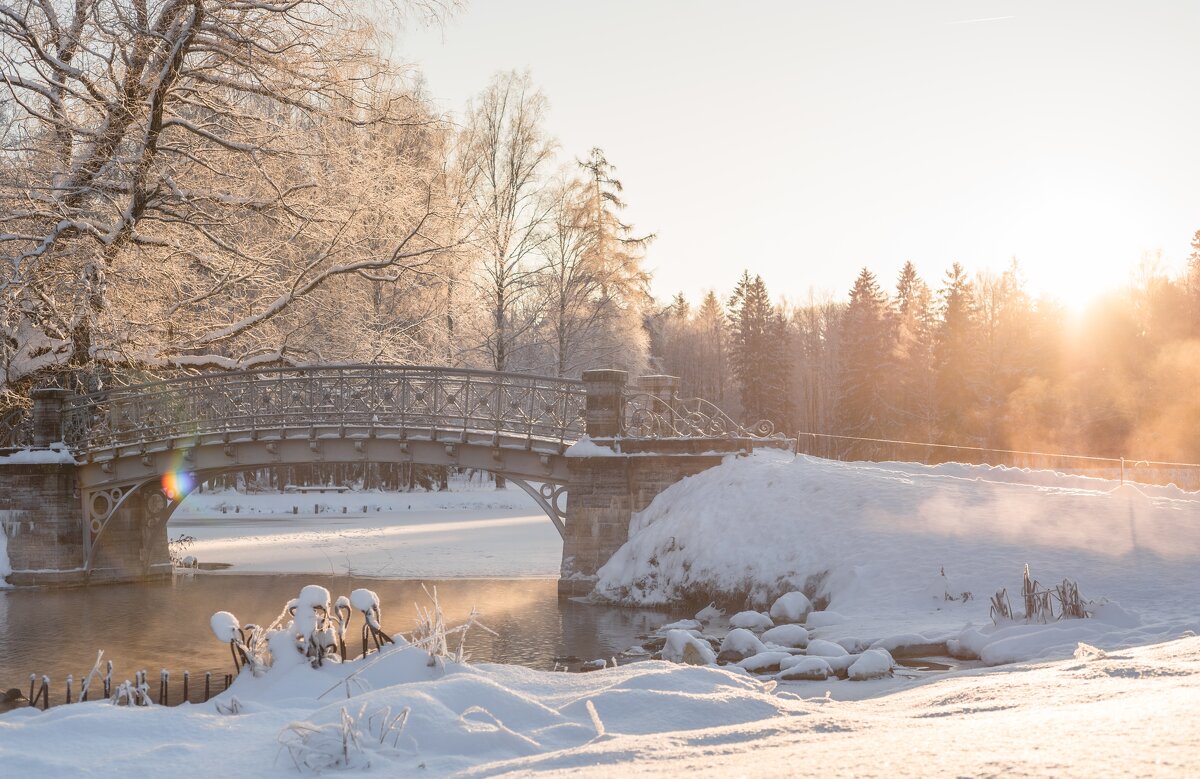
<point x="467" y="533"/>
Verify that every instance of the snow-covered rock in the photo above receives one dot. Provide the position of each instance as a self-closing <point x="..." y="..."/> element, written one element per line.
<point x="819" y="647"/>
<point x="791" y="607"/>
<point x="683" y="647"/>
<point x="709" y="613"/>
<point x="764" y="661"/>
<point x="801" y="668"/>
<point x="751" y="620"/>
<point x="786" y="635"/>
<point x="871" y="664"/>
<point x="739" y="644"/>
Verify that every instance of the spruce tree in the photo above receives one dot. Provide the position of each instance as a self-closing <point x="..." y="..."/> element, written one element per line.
<point x="955" y="360"/>
<point x="752" y="349"/>
<point x="865" y="371"/>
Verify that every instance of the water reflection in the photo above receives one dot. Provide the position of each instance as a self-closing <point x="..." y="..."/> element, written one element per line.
<point x="165" y="625"/>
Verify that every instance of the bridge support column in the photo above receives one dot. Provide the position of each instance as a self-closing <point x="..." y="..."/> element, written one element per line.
<point x="41" y="518"/>
<point x="607" y="488"/>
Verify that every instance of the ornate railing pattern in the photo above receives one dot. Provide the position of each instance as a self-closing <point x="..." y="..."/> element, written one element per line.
<point x="357" y="396"/>
<point x="649" y="415"/>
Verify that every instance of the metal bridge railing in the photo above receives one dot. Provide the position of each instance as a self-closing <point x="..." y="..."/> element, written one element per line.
<point x="343" y="396"/>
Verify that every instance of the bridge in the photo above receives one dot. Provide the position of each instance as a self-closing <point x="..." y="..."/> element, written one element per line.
<point x="87" y="501"/>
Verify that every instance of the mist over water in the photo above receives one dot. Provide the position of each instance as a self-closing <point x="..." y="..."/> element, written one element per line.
<point x="165" y="625"/>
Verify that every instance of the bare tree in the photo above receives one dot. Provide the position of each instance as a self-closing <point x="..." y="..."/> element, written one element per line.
<point x="181" y="181"/>
<point x="503" y="153"/>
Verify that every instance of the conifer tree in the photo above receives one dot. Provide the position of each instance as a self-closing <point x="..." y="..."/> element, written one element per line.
<point x="863" y="382"/>
<point x="752" y="347"/>
<point x="955" y="356"/>
<point x="915" y="325"/>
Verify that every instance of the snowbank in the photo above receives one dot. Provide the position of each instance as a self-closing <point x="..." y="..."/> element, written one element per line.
<point x="902" y="548"/>
<point x="651" y="718"/>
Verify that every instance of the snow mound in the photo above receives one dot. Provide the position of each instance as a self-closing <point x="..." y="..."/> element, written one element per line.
<point x="791" y="607"/>
<point x="801" y="668"/>
<point x="900" y="548"/>
<point x="683" y="647"/>
<point x="819" y="647"/>
<point x="871" y="664"/>
<point x="751" y="620"/>
<point x="787" y="635"/>
<point x="741" y="643"/>
<point x="764" y="661"/>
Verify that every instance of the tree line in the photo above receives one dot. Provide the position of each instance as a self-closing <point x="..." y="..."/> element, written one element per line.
<point x="974" y="361"/>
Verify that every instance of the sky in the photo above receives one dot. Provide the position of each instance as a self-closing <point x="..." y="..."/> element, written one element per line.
<point x="806" y="140"/>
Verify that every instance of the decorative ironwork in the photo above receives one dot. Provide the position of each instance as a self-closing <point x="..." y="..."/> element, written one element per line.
<point x="651" y="416"/>
<point x="371" y="397"/>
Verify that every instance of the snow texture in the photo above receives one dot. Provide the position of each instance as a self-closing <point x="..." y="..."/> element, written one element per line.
<point x="896" y="549"/>
<point x="791" y="607"/>
<point x="683" y="647"/>
<point x="787" y="635"/>
<point x="751" y="620"/>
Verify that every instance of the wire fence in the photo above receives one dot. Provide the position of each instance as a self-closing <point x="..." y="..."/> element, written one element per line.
<point x="1184" y="475"/>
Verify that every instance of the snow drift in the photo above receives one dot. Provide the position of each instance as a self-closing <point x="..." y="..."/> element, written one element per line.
<point x="902" y="547"/>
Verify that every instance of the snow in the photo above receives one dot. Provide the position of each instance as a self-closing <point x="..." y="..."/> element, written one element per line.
<point x="871" y="664"/>
<point x="791" y="607"/>
<point x="364" y="600"/>
<point x="786" y="635"/>
<point x="898" y="549"/>
<point x="55" y="455"/>
<point x="585" y="447"/>
<point x="683" y="647"/>
<point x="802" y="668"/>
<point x="742" y="642"/>
<point x="473" y="532"/>
<point x="751" y="620"/>
<point x="819" y="647"/>
<point x="225" y="626"/>
<point x="888" y="550"/>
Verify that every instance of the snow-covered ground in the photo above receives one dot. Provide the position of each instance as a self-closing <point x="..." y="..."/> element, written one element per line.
<point x="466" y="532"/>
<point x="887" y="552"/>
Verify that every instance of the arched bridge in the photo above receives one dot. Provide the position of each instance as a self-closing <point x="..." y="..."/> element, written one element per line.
<point x="124" y="440"/>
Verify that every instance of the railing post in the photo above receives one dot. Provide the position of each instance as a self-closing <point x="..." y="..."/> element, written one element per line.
<point x="665" y="388"/>
<point x="604" y="411"/>
<point x="47" y="415"/>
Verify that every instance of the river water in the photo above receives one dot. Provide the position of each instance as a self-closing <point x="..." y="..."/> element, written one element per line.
<point x="165" y="625"/>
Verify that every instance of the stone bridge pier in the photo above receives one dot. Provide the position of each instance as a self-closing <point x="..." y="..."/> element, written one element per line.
<point x="621" y="475"/>
<point x="41" y="516"/>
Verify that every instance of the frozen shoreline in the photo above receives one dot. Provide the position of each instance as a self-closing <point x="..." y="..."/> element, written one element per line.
<point x="467" y="534"/>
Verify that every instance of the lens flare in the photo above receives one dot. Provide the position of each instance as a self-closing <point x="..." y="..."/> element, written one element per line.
<point x="177" y="482"/>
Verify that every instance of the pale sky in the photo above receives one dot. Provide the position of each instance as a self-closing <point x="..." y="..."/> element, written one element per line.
<point x="804" y="140"/>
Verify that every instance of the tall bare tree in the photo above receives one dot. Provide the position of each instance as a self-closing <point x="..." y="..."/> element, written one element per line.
<point x="503" y="155"/>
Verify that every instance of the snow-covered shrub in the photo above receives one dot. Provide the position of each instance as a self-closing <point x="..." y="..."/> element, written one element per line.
<point x="1039" y="602"/>
<point x="346" y="743"/>
<point x="431" y="633"/>
<point x="177" y="549"/>
<point x="791" y="607"/>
